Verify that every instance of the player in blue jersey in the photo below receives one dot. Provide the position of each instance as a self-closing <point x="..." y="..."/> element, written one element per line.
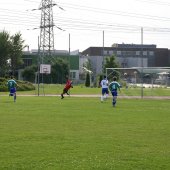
<point x="104" y="84"/>
<point x="113" y="87"/>
<point x="12" y="88"/>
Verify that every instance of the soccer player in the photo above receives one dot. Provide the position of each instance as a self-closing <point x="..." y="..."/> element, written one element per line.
<point x="67" y="87"/>
<point x="104" y="84"/>
<point x="113" y="87"/>
<point x="12" y="88"/>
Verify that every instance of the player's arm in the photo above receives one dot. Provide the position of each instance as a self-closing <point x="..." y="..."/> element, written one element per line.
<point x="71" y="84"/>
<point x="16" y="84"/>
<point x="119" y="87"/>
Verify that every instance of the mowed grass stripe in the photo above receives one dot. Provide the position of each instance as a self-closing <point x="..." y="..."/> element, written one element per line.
<point x="82" y="133"/>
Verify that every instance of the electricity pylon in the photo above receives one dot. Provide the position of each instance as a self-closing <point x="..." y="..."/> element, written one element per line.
<point x="46" y="40"/>
<point x="46" y="44"/>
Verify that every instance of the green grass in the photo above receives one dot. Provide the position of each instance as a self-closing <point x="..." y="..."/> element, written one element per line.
<point x="57" y="89"/>
<point x="84" y="134"/>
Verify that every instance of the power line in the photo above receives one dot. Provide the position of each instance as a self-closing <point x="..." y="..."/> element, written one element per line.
<point x="114" y="12"/>
<point x="30" y="20"/>
<point x="85" y="24"/>
<point x="107" y="11"/>
<point x="119" y="13"/>
<point x="156" y="2"/>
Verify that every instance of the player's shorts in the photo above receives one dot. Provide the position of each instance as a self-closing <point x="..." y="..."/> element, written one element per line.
<point x="114" y="93"/>
<point x="12" y="91"/>
<point x="105" y="91"/>
<point x="65" y="90"/>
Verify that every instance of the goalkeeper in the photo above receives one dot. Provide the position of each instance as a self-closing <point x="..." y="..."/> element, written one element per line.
<point x="67" y="87"/>
<point x="113" y="87"/>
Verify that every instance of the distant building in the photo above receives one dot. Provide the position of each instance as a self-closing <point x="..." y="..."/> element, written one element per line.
<point x="128" y="55"/>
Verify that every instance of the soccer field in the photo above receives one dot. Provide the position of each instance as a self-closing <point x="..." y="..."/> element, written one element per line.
<point x="84" y="134"/>
<point x="56" y="89"/>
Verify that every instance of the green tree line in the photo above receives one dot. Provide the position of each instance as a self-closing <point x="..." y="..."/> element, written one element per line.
<point x="10" y="53"/>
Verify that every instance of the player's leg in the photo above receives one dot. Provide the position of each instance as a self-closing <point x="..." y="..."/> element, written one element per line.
<point x="62" y="94"/>
<point x="68" y="92"/>
<point x="114" y="94"/>
<point x="102" y="96"/>
<point x="107" y="93"/>
<point x="114" y="100"/>
<point x="15" y="97"/>
<point x="12" y="92"/>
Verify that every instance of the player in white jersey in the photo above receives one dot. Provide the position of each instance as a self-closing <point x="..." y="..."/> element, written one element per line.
<point x="105" y="92"/>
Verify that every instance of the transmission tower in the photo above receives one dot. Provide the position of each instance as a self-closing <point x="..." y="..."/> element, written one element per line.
<point x="46" y="44"/>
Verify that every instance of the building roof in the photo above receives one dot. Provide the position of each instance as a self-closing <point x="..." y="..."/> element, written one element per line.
<point x="98" y="51"/>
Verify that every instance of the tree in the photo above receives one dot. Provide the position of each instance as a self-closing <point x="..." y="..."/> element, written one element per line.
<point x="16" y="52"/>
<point x="10" y="52"/>
<point x="59" y="71"/>
<point x="29" y="73"/>
<point x="87" y="83"/>
<point x="4" y="52"/>
<point x="111" y="63"/>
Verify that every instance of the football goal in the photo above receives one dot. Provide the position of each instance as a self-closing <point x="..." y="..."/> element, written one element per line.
<point x="142" y="81"/>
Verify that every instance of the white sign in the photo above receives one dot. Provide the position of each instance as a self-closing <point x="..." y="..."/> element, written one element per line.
<point x="45" y="68"/>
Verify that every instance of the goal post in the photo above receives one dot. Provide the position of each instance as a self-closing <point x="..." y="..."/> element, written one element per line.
<point x="144" y="78"/>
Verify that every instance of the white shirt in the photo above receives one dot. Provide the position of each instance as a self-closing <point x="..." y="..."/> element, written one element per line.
<point x="104" y="83"/>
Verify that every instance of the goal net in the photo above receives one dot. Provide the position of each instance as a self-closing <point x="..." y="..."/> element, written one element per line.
<point x="142" y="82"/>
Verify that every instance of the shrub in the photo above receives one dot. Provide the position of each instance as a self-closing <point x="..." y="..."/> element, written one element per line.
<point x="22" y="85"/>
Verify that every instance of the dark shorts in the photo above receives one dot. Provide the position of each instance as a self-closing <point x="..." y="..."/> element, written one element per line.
<point x="114" y="93"/>
<point x="12" y="91"/>
<point x="105" y="91"/>
<point x="65" y="90"/>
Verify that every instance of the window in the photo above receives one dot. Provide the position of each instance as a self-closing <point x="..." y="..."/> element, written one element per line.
<point x="110" y="52"/>
<point x="151" y="53"/>
<point x="73" y="75"/>
<point x="118" y="52"/>
<point x="144" y="52"/>
<point x="105" y="52"/>
<point x="27" y="62"/>
<point x="137" y="52"/>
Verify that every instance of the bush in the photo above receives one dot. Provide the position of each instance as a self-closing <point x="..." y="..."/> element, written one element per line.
<point x="25" y="86"/>
<point x="3" y="84"/>
<point x="22" y="85"/>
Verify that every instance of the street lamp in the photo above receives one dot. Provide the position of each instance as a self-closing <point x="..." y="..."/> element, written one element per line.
<point x="90" y="73"/>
